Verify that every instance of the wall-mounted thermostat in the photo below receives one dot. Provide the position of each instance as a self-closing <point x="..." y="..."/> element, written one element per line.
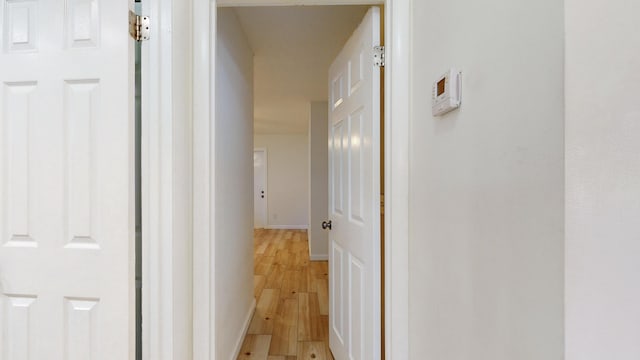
<point x="446" y="93"/>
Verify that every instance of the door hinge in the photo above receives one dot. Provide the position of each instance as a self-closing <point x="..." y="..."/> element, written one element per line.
<point x="378" y="56"/>
<point x="139" y="26"/>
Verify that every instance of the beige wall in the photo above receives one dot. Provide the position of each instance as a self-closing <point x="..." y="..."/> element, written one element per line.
<point x="603" y="180"/>
<point x="233" y="177"/>
<point x="486" y="252"/>
<point x="318" y="179"/>
<point x="287" y="179"/>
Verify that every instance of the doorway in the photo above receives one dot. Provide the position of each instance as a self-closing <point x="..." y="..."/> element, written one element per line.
<point x="259" y="188"/>
<point x="397" y="90"/>
<point x="232" y="79"/>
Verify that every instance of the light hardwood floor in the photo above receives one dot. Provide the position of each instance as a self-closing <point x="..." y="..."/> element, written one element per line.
<point x="291" y="321"/>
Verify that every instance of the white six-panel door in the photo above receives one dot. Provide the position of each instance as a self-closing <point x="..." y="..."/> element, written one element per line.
<point x="354" y="191"/>
<point x="66" y="180"/>
<point x="259" y="188"/>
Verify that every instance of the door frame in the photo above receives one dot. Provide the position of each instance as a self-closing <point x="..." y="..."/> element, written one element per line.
<point x="266" y="185"/>
<point x="167" y="183"/>
<point x="397" y="115"/>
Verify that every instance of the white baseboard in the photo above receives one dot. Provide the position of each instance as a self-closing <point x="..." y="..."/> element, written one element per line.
<point x="287" y="227"/>
<point x="245" y="328"/>
<point x="319" y="257"/>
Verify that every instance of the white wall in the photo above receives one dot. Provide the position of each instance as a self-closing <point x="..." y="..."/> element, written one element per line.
<point x="318" y="179"/>
<point x="287" y="179"/>
<point x="486" y="182"/>
<point x="233" y="177"/>
<point x="603" y="180"/>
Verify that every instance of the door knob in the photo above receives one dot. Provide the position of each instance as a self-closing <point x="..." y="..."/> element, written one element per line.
<point x="326" y="225"/>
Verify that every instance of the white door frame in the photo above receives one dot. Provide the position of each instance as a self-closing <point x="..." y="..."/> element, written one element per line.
<point x="397" y="112"/>
<point x="266" y="185"/>
<point x="167" y="183"/>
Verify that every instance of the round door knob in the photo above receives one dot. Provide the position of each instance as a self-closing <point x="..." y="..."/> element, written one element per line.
<point x="326" y="225"/>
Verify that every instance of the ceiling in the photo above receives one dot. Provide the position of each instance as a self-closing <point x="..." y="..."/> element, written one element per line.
<point x="293" y="48"/>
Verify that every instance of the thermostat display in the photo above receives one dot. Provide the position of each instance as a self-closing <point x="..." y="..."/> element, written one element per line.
<point x="446" y="93"/>
<point x="441" y="87"/>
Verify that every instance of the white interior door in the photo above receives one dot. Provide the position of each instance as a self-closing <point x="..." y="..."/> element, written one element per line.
<point x="259" y="188"/>
<point x="354" y="196"/>
<point x="66" y="180"/>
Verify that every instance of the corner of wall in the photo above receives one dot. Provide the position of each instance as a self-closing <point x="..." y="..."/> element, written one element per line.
<point x="243" y="332"/>
<point x="233" y="190"/>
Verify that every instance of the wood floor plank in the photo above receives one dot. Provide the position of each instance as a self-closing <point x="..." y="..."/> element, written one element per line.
<point x="299" y="247"/>
<point x="270" y="250"/>
<point x="320" y="269"/>
<point x="314" y="267"/>
<point x="302" y="260"/>
<point x="311" y="280"/>
<point x="258" y="284"/>
<point x="292" y="299"/>
<point x="266" y="309"/>
<point x="285" y="331"/>
<point x="263" y="266"/>
<point x="276" y="278"/>
<point x="324" y="321"/>
<point x="322" y="289"/>
<point x="261" y="247"/>
<point x="301" y="279"/>
<point x="312" y="350"/>
<point x="283" y="257"/>
<point x="309" y="322"/>
<point x="255" y="347"/>
<point x="291" y="265"/>
<point x="294" y="283"/>
<point x="289" y="288"/>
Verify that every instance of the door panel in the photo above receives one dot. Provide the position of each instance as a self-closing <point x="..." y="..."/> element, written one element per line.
<point x="337" y="294"/>
<point x="337" y="171"/>
<point x="66" y="180"/>
<point x="354" y="181"/>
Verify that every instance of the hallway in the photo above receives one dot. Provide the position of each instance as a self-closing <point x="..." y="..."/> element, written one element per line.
<point x="291" y="321"/>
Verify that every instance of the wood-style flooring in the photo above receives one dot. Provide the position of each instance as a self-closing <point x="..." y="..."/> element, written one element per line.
<point x="291" y="321"/>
